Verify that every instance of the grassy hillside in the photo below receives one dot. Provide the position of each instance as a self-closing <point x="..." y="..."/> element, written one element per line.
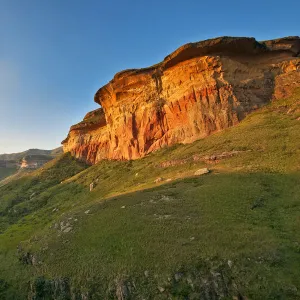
<point x="231" y="233"/>
<point x="5" y="172"/>
<point x="9" y="174"/>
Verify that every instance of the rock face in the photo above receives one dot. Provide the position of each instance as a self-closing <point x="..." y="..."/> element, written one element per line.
<point x="199" y="89"/>
<point x="34" y="161"/>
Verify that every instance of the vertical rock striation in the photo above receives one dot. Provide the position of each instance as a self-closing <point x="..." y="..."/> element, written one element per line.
<point x="199" y="89"/>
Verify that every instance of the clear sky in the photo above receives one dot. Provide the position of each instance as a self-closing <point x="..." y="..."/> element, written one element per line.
<point x="55" y="54"/>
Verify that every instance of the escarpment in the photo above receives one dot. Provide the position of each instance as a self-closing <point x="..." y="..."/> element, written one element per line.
<point x="199" y="89"/>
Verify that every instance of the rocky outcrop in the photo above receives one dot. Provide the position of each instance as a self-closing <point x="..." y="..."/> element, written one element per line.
<point x="34" y="161"/>
<point x="199" y="89"/>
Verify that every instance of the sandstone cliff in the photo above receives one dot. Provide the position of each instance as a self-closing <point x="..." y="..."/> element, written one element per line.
<point x="199" y="89"/>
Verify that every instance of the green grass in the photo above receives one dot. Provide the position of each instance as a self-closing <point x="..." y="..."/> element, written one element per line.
<point x="182" y="224"/>
<point x="5" y="172"/>
<point x="231" y="233"/>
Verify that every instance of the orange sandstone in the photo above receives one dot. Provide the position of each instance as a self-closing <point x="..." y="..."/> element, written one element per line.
<point x="199" y="89"/>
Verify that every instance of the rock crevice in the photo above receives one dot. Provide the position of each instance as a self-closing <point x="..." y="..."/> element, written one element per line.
<point x="199" y="89"/>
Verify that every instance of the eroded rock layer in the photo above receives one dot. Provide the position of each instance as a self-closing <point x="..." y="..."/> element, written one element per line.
<point x="199" y="89"/>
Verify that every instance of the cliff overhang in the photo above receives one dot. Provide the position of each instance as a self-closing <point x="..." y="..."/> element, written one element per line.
<point x="198" y="89"/>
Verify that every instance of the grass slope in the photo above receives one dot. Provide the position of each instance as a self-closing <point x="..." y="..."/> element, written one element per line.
<point x="231" y="233"/>
<point x="5" y="172"/>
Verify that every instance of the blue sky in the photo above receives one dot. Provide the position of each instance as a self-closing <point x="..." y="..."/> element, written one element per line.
<point x="55" y="54"/>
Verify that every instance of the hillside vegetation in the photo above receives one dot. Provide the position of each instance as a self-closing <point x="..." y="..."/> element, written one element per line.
<point x="8" y="174"/>
<point x="230" y="234"/>
<point x="5" y="172"/>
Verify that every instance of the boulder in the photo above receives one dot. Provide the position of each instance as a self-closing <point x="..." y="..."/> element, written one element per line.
<point x="68" y="229"/>
<point x="91" y="186"/>
<point x="201" y="172"/>
<point x="157" y="180"/>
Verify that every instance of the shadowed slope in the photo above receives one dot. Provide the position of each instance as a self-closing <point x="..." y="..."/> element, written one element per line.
<point x="231" y="233"/>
